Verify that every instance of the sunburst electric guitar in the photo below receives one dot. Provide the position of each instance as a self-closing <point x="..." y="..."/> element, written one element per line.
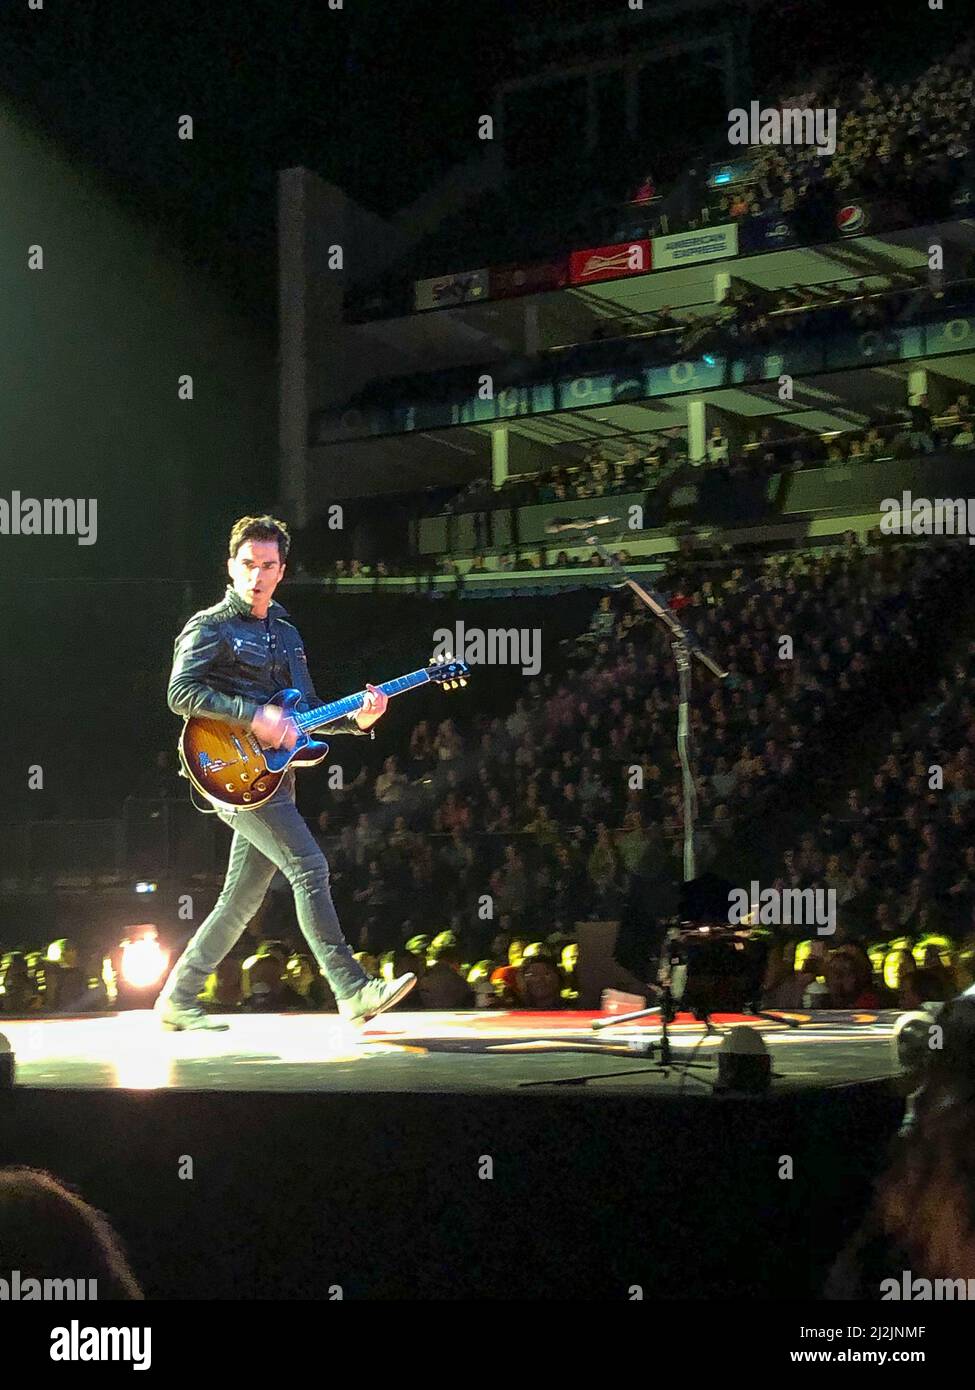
<point x="230" y="766"/>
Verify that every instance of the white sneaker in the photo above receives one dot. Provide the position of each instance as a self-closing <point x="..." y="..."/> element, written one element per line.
<point x="374" y="997"/>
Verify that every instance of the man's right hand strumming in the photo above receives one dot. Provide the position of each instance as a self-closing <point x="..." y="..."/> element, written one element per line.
<point x="273" y="727"/>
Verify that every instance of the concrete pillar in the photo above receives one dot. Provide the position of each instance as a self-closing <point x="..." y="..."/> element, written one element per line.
<point x="499" y="455"/>
<point x="917" y="384"/>
<point x="697" y="429"/>
<point x="940" y="390"/>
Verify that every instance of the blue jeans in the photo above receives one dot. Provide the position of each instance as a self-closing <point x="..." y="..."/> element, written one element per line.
<point x="267" y="839"/>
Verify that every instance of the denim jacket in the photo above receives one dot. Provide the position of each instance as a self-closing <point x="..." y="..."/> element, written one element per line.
<point x="227" y="664"/>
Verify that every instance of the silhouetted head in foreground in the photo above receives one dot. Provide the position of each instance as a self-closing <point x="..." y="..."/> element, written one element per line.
<point x="49" y="1232"/>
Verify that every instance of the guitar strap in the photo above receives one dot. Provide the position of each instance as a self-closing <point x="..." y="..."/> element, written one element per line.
<point x="208" y="810"/>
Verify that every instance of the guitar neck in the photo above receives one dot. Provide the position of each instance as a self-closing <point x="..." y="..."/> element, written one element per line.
<point x="351" y="704"/>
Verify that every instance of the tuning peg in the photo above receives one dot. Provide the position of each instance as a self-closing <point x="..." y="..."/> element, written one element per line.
<point x="463" y="682"/>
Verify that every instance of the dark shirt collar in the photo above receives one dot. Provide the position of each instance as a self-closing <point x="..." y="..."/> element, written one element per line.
<point x="243" y="610"/>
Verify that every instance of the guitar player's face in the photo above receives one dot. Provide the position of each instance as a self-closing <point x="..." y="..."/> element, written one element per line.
<point x="255" y="572"/>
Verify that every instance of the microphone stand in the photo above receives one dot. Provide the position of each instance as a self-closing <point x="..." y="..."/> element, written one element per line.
<point x="685" y="647"/>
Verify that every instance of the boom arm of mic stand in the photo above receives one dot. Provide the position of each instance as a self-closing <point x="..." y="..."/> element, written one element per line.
<point x="658" y="604"/>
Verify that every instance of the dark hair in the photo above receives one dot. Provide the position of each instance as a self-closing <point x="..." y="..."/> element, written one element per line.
<point x="927" y="985"/>
<point x="854" y="952"/>
<point x="926" y="1202"/>
<point x="48" y="1232"/>
<point x="260" y="528"/>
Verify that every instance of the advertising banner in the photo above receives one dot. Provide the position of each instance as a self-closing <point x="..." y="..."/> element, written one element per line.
<point x="506" y="281"/>
<point x="769" y="232"/>
<point x="610" y="262"/>
<point x="852" y="219"/>
<point x="883" y="213"/>
<point x="443" y="290"/>
<point x="687" y="248"/>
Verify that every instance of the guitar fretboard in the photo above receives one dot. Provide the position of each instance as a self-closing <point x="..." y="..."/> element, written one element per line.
<point x="351" y="704"/>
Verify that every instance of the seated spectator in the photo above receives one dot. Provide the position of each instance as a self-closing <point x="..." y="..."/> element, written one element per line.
<point x="920" y="435"/>
<point x="368" y="962"/>
<point x="923" y="987"/>
<point x="849" y="979"/>
<point x="448" y="743"/>
<point x="19" y="995"/>
<point x="223" y="991"/>
<point x="391" y="784"/>
<point x="538" y="984"/>
<point x="265" y="987"/>
<point x="376" y="892"/>
<point x="645" y="191"/>
<point x="479" y="979"/>
<point x="602" y="621"/>
<point x="784" y="987"/>
<point x="899" y="965"/>
<point x="717" y="446"/>
<point x="305" y="978"/>
<point x="65" y="982"/>
<point x="422" y="752"/>
<point x="443" y="985"/>
<point x="402" y="962"/>
<point x="402" y="839"/>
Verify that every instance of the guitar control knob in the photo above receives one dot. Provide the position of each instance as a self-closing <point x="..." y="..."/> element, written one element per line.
<point x="229" y="786"/>
<point x="260" y="786"/>
<point x="247" y="797"/>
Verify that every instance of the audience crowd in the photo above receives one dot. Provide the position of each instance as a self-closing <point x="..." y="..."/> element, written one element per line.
<point x="897" y="143"/>
<point x="903" y="149"/>
<point x="899" y="855"/>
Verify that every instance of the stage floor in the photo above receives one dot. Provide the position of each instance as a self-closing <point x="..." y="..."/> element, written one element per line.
<point x="324" y="1156"/>
<point x="433" y="1053"/>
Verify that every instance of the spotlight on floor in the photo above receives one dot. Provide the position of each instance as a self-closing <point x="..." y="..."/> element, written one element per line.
<point x="143" y="962"/>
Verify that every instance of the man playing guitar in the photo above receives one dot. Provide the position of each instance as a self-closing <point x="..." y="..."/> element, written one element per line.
<point x="229" y="660"/>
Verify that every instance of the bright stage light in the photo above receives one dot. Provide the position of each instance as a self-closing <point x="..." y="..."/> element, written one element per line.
<point x="143" y="962"/>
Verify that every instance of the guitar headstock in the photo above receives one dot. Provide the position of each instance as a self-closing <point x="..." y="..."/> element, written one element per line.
<point x="450" y="673"/>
